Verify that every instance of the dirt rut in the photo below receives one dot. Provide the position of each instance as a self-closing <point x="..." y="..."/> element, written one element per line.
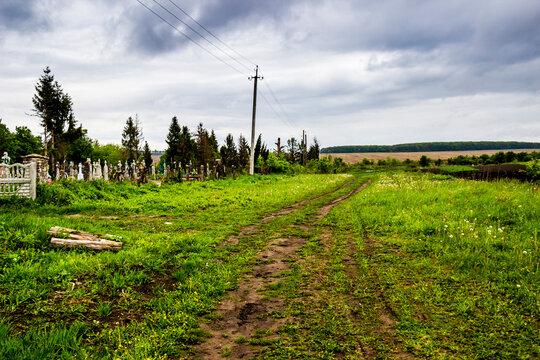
<point x="247" y="310"/>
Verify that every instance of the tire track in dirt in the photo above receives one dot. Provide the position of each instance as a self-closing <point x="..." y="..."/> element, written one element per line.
<point x="246" y="310"/>
<point x="386" y="315"/>
<point x="249" y="230"/>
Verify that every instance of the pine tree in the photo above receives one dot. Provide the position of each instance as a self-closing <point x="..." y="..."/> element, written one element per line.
<point x="147" y="156"/>
<point x="186" y="147"/>
<point x="313" y="153"/>
<point x="131" y="138"/>
<point x="173" y="142"/>
<point x="204" y="152"/>
<point x="228" y="152"/>
<point x="55" y="108"/>
<point x="214" y="146"/>
<point x="243" y="152"/>
<point x="260" y="149"/>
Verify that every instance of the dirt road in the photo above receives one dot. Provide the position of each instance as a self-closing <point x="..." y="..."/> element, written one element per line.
<point x="253" y="315"/>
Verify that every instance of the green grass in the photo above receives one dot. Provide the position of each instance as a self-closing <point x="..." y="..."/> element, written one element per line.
<point x="456" y="260"/>
<point x="457" y="168"/>
<point x="146" y="300"/>
<point x="454" y="263"/>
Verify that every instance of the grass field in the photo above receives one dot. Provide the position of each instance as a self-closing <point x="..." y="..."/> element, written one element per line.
<point x="386" y="265"/>
<point x="352" y="158"/>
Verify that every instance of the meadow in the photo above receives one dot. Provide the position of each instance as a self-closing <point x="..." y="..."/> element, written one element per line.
<point x="413" y="266"/>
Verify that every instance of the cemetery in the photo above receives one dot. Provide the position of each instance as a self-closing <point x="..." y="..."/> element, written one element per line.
<point x="21" y="179"/>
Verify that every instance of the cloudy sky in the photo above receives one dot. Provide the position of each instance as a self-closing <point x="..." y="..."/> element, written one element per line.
<point x="346" y="71"/>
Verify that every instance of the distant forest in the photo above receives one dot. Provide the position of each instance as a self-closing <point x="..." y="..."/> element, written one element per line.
<point x="433" y="146"/>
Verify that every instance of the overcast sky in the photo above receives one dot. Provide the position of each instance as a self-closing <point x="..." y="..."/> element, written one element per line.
<point x="346" y="71"/>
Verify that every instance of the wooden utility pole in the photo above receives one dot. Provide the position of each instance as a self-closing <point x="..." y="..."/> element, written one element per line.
<point x="304" y="147"/>
<point x="252" y="149"/>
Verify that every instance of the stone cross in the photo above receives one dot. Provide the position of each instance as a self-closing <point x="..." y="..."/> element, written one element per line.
<point x="105" y="171"/>
<point x="80" y="175"/>
<point x="135" y="170"/>
<point x="99" y="170"/>
<point x="126" y="170"/>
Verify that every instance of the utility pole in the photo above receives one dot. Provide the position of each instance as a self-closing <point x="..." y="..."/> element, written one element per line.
<point x="252" y="149"/>
<point x="304" y="147"/>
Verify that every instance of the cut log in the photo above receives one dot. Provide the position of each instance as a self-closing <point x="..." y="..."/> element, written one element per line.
<point x="90" y="244"/>
<point x="74" y="238"/>
<point x="76" y="234"/>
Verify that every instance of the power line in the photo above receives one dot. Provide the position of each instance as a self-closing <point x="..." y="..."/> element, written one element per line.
<point x="276" y="100"/>
<point x="284" y="120"/>
<point x="189" y="38"/>
<point x="201" y="35"/>
<point x="211" y="33"/>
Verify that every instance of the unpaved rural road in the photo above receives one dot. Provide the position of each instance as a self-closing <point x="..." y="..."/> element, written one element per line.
<point x="245" y="311"/>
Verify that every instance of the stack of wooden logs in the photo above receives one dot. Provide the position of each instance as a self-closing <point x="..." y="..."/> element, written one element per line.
<point x="63" y="237"/>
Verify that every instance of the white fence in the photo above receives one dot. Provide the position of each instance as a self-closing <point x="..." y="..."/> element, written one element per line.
<point x="18" y="179"/>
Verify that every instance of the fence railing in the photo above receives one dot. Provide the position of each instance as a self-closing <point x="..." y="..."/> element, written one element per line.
<point x="18" y="179"/>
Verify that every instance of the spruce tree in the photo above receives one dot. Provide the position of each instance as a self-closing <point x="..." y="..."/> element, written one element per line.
<point x="131" y="138"/>
<point x="243" y="152"/>
<point x="214" y="146"/>
<point x="186" y="147"/>
<point x="228" y="152"/>
<point x="55" y="108"/>
<point x="204" y="152"/>
<point x="260" y="149"/>
<point x="147" y="156"/>
<point x="314" y="150"/>
<point x="173" y="142"/>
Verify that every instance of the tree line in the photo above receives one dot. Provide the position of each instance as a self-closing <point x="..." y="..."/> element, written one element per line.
<point x="434" y="146"/>
<point x="65" y="140"/>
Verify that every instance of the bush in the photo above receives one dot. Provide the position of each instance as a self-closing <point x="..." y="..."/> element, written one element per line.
<point x="533" y="170"/>
<point x="54" y="194"/>
<point x="277" y="165"/>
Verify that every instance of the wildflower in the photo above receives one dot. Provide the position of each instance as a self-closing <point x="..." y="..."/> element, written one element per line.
<point x="500" y="230"/>
<point x="525" y="252"/>
<point x="451" y="235"/>
<point x="518" y="285"/>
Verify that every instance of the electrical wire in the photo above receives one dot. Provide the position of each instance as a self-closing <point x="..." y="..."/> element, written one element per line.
<point x="211" y="33"/>
<point x="283" y="116"/>
<point x="277" y="101"/>
<point x="284" y="120"/>
<point x="189" y="38"/>
<point x="201" y="35"/>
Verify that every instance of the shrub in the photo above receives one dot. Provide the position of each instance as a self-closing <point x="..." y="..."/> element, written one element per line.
<point x="277" y="164"/>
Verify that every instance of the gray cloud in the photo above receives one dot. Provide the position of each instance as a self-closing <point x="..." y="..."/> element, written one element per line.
<point x="23" y="16"/>
<point x="362" y="66"/>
